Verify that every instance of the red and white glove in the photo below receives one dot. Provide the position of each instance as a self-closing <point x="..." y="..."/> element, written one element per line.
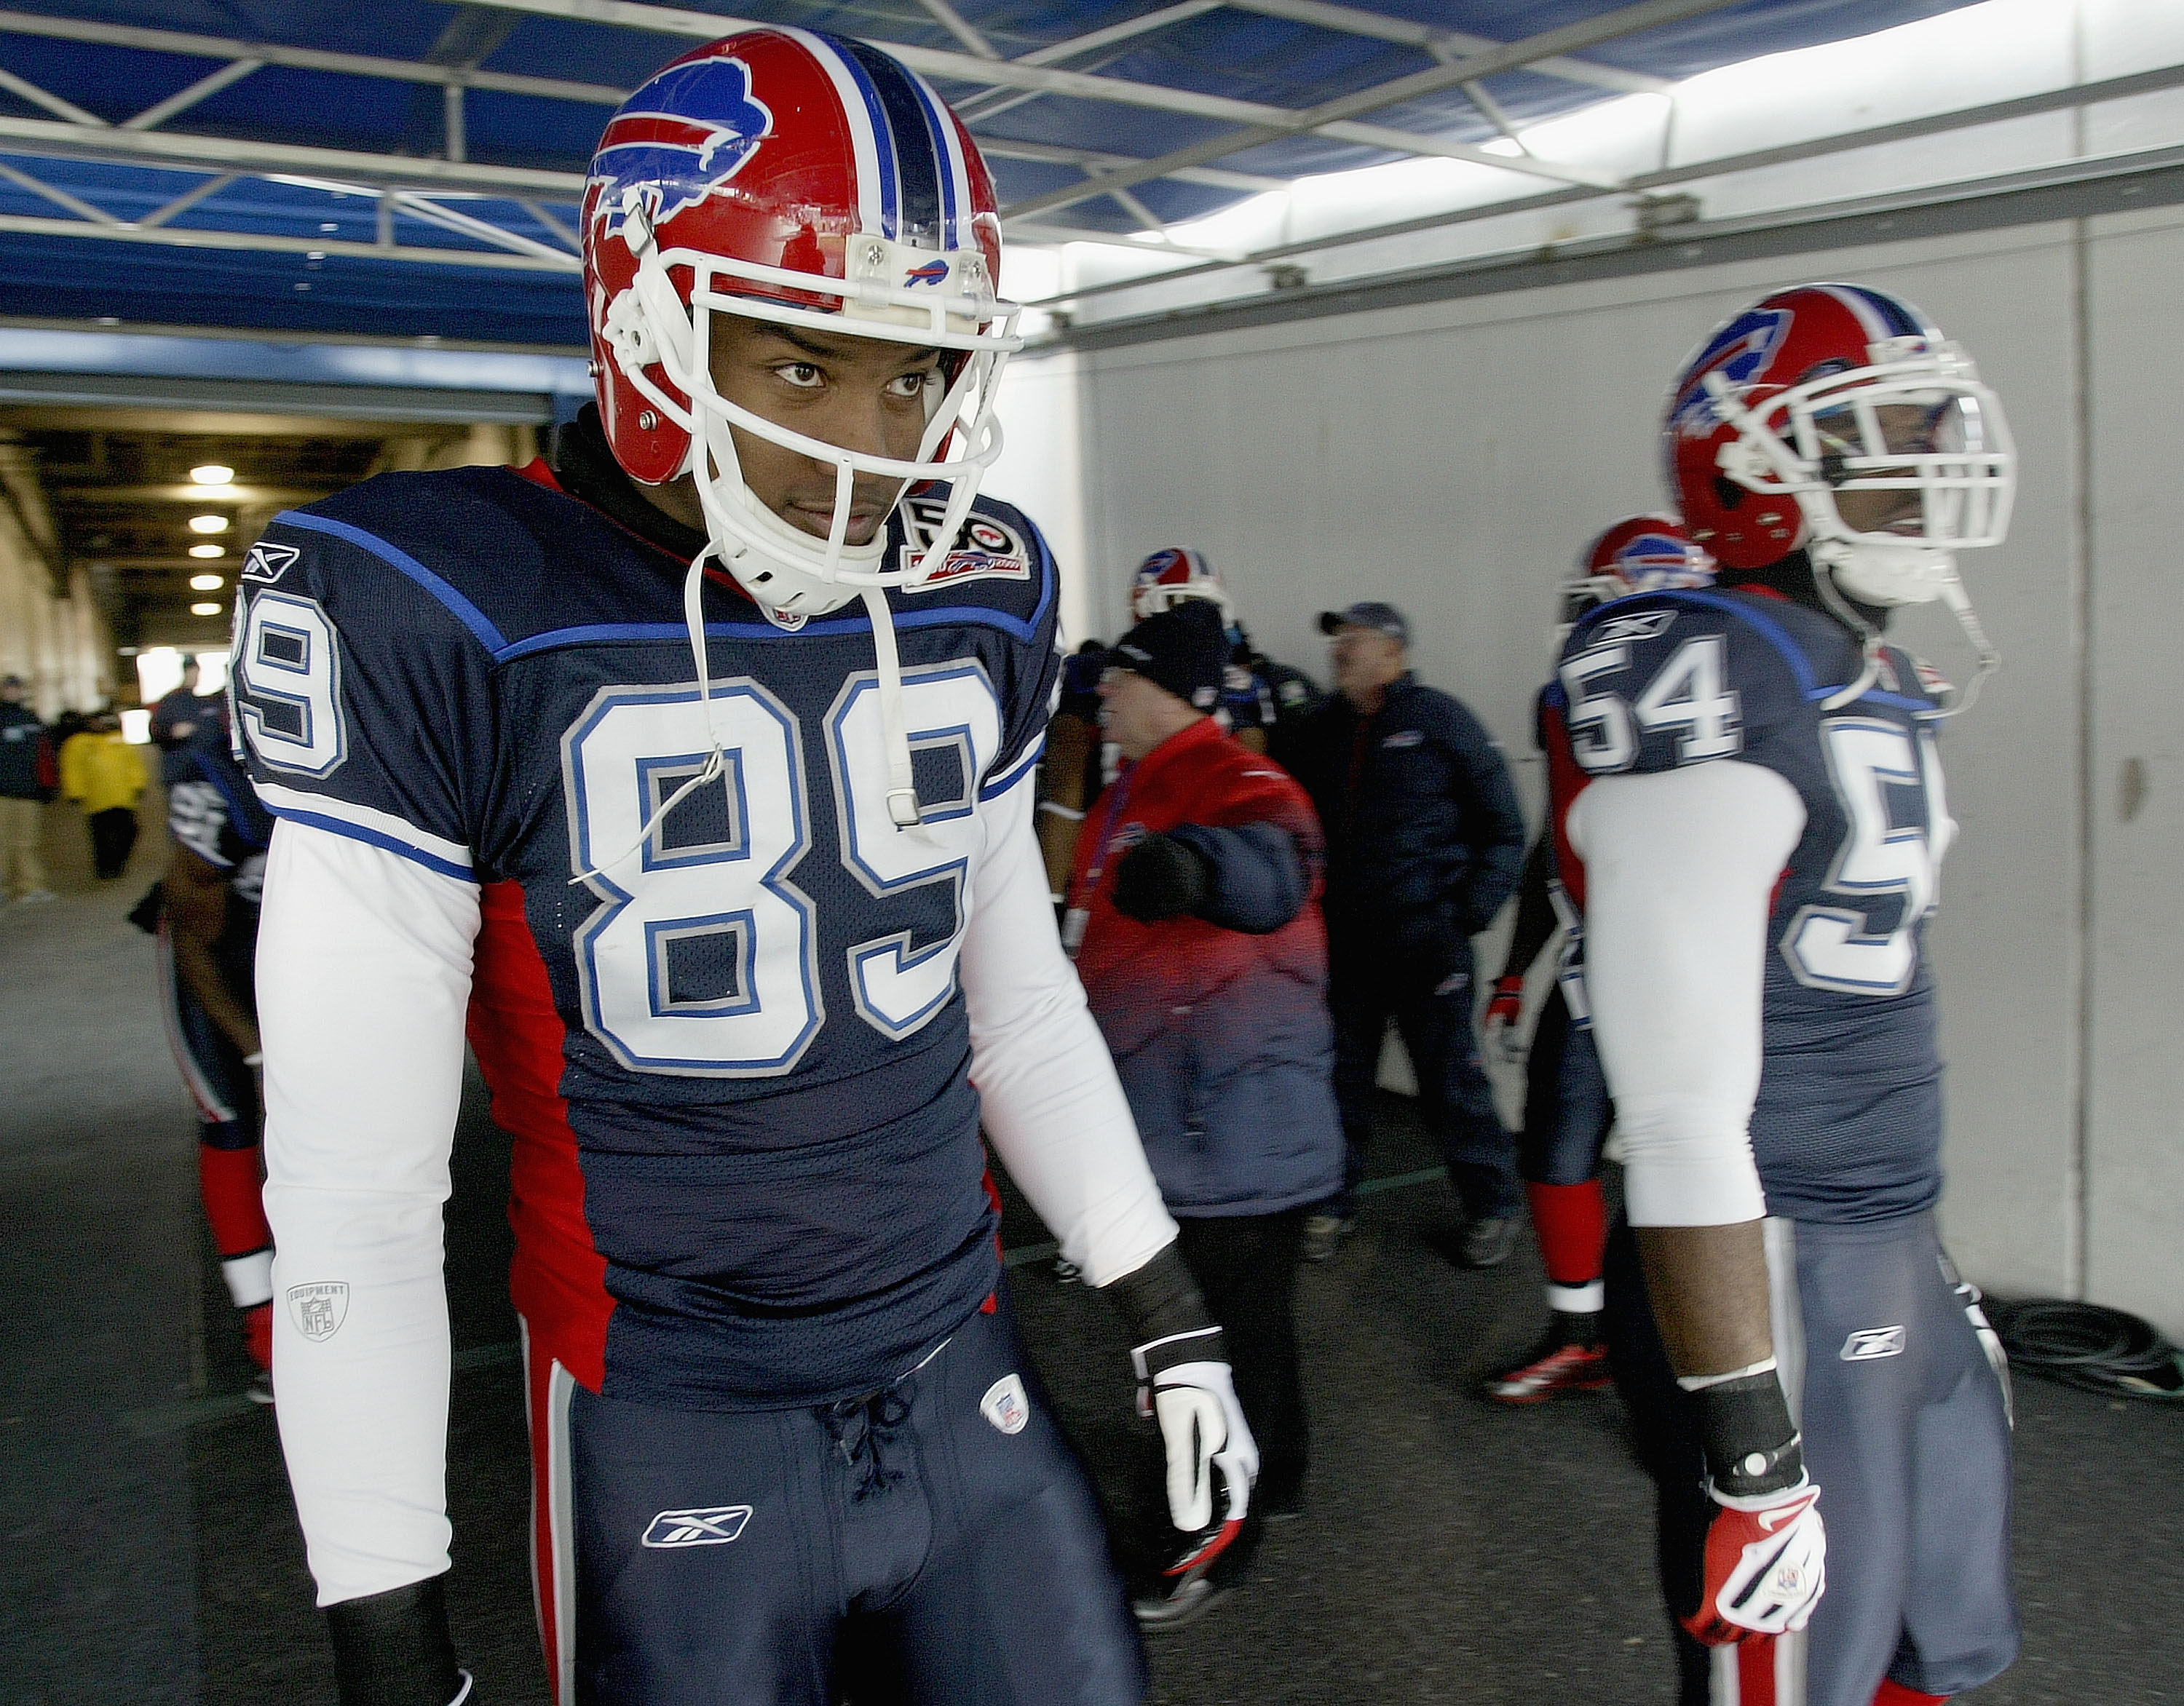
<point x="1766" y="1565"/>
<point x="1504" y="1012"/>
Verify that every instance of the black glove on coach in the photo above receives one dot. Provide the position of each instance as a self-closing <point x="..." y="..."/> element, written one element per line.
<point x="1160" y="878"/>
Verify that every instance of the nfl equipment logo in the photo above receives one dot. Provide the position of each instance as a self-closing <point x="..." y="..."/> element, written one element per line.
<point x="1006" y="1405"/>
<point x="319" y="1309"/>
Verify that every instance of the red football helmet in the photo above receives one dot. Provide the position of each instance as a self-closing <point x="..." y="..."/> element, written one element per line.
<point x="1175" y="575"/>
<point x="1640" y="554"/>
<point x="808" y="180"/>
<point x="1833" y="392"/>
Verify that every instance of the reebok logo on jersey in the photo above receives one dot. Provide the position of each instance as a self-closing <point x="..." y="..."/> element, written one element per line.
<point x="268" y="562"/>
<point x="319" y="1309"/>
<point x="1405" y="737"/>
<point x="1641" y="625"/>
<point x="713" y="1524"/>
<point x="1006" y="1405"/>
<point x="1869" y="1343"/>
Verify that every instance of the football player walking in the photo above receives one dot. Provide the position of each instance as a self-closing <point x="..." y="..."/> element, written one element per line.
<point x="1755" y="838"/>
<point x="696" y="767"/>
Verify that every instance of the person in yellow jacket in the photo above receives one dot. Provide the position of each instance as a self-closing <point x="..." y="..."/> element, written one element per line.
<point x="104" y="774"/>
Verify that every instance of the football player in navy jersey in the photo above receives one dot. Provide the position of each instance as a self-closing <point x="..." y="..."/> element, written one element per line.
<point x="1756" y="838"/>
<point x="207" y="932"/>
<point x="1567" y="1110"/>
<point x="695" y="768"/>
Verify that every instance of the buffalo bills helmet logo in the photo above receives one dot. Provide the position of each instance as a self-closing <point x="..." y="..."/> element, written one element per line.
<point x="658" y="146"/>
<point x="1643" y="561"/>
<point x="1741" y="351"/>
<point x="932" y="273"/>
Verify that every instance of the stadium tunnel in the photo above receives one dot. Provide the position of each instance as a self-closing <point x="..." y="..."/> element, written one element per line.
<point x="1423" y="265"/>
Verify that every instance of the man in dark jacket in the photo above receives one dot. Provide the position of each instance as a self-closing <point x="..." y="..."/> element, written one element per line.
<point x="1196" y="928"/>
<point x="29" y="774"/>
<point x="1424" y="843"/>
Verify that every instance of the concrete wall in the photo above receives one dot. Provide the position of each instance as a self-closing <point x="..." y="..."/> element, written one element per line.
<point x="1454" y="457"/>
<point x="59" y="646"/>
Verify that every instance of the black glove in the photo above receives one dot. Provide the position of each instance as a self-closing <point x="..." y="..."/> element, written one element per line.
<point x="392" y="1649"/>
<point x="1160" y="878"/>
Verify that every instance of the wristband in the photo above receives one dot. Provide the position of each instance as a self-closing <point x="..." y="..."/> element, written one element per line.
<point x="1161" y="1300"/>
<point x="1752" y="1448"/>
<point x="1061" y="811"/>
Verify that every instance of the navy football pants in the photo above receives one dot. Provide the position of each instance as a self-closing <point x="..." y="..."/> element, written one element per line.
<point x="1431" y="1003"/>
<point x="1907" y="1436"/>
<point x="936" y="1541"/>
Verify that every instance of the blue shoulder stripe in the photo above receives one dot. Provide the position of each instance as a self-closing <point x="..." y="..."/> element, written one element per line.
<point x="459" y="607"/>
<point x="1800" y="666"/>
<point x="377" y="838"/>
<point x="968" y="615"/>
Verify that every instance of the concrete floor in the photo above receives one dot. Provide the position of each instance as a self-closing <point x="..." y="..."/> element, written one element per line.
<point x="1455" y="1551"/>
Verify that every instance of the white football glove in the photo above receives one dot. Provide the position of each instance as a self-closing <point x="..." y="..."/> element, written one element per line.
<point x="1183" y="1384"/>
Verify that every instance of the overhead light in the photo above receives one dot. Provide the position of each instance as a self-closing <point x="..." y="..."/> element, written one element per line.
<point x="207" y="524"/>
<point x="206" y="583"/>
<point x="204" y="609"/>
<point x="208" y="551"/>
<point x="212" y="473"/>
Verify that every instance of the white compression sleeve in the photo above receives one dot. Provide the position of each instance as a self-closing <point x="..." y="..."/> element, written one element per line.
<point x="1051" y="1104"/>
<point x="364" y="973"/>
<point x="1679" y="872"/>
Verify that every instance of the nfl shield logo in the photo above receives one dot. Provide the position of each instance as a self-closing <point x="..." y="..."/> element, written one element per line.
<point x="320" y="1309"/>
<point x="1006" y="1405"/>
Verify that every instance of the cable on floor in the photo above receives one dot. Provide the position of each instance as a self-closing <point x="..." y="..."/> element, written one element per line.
<point x="2087" y="1346"/>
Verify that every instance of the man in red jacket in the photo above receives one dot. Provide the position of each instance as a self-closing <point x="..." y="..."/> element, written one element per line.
<point x="1195" y="920"/>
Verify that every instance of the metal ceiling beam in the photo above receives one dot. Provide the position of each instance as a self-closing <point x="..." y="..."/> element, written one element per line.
<point x="2075" y="189"/>
<point x="1476" y="67"/>
<point x="1962" y="118"/>
<point x="1144" y="24"/>
<point x="959" y="67"/>
<point x="952" y="21"/>
<point x="546" y="261"/>
<point x="297" y="59"/>
<point x="183" y="151"/>
<point x="1047" y="153"/>
<point x="1349" y="21"/>
<point x="967" y="68"/>
<point x="183" y="99"/>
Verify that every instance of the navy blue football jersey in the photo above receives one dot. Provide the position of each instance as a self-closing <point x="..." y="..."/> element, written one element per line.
<point x="1848" y="1122"/>
<point x="732" y="1051"/>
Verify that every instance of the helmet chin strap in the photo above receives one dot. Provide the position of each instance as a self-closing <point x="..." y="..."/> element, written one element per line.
<point x="1847" y="569"/>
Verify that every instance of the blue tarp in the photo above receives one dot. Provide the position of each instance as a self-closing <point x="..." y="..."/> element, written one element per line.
<point x="1226" y="52"/>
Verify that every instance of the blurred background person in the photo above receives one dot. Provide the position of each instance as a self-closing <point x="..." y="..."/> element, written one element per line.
<point x="104" y="775"/>
<point x="208" y="942"/>
<point x="1196" y="927"/>
<point x="29" y="772"/>
<point x="1262" y="702"/>
<point x="1069" y="766"/>
<point x="1424" y="841"/>
<point x="1566" y="1111"/>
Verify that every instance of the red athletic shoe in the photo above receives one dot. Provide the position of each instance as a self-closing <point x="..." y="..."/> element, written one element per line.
<point x="1550" y="1370"/>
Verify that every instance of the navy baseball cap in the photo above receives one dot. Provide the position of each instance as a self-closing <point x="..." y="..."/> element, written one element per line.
<point x="1370" y="613"/>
